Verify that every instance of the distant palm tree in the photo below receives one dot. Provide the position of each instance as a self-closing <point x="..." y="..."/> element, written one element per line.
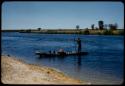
<point x="77" y="27"/>
<point x="92" y="26"/>
<point x="100" y="23"/>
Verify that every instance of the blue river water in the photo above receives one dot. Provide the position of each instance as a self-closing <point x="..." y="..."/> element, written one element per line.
<point x="103" y="65"/>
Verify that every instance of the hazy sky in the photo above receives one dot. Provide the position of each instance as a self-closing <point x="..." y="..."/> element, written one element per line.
<point x="48" y="15"/>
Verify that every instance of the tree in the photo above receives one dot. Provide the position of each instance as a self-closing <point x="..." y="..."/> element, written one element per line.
<point x="113" y="26"/>
<point x="92" y="26"/>
<point x="101" y="25"/>
<point x="105" y="26"/>
<point x="77" y="27"/>
<point x="96" y="28"/>
<point x="39" y="29"/>
<point x="110" y="26"/>
<point x="116" y="26"/>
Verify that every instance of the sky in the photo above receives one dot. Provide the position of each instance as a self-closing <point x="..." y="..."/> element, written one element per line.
<point x="60" y="15"/>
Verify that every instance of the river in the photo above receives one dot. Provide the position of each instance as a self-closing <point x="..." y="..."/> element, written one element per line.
<point x="103" y="65"/>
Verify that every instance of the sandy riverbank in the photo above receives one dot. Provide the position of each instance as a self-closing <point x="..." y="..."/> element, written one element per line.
<point x="15" y="71"/>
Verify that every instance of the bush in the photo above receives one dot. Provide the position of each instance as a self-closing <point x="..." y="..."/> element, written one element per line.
<point x="108" y="32"/>
<point x="121" y="32"/>
<point x="86" y="32"/>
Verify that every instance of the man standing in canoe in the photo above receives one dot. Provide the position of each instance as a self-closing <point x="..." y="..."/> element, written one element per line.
<point x="79" y="45"/>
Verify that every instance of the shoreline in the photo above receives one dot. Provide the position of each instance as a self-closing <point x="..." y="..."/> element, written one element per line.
<point x="16" y="71"/>
<point x="116" y="32"/>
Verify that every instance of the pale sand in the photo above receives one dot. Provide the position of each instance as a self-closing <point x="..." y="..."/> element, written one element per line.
<point x="15" y="71"/>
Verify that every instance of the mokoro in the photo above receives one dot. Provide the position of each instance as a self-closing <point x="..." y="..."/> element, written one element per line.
<point x="41" y="54"/>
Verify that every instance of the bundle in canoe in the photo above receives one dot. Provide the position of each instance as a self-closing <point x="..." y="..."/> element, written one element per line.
<point x="41" y="54"/>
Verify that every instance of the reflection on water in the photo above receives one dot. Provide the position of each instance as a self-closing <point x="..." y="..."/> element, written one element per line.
<point x="79" y="62"/>
<point x="103" y="64"/>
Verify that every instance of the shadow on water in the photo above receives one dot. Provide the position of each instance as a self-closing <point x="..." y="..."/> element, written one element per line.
<point x="78" y="60"/>
<point x="53" y="57"/>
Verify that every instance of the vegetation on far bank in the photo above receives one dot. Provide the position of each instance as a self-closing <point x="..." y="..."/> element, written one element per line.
<point x="102" y="29"/>
<point x="72" y="31"/>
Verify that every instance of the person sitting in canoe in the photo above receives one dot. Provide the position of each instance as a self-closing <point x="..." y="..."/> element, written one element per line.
<point x="61" y="52"/>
